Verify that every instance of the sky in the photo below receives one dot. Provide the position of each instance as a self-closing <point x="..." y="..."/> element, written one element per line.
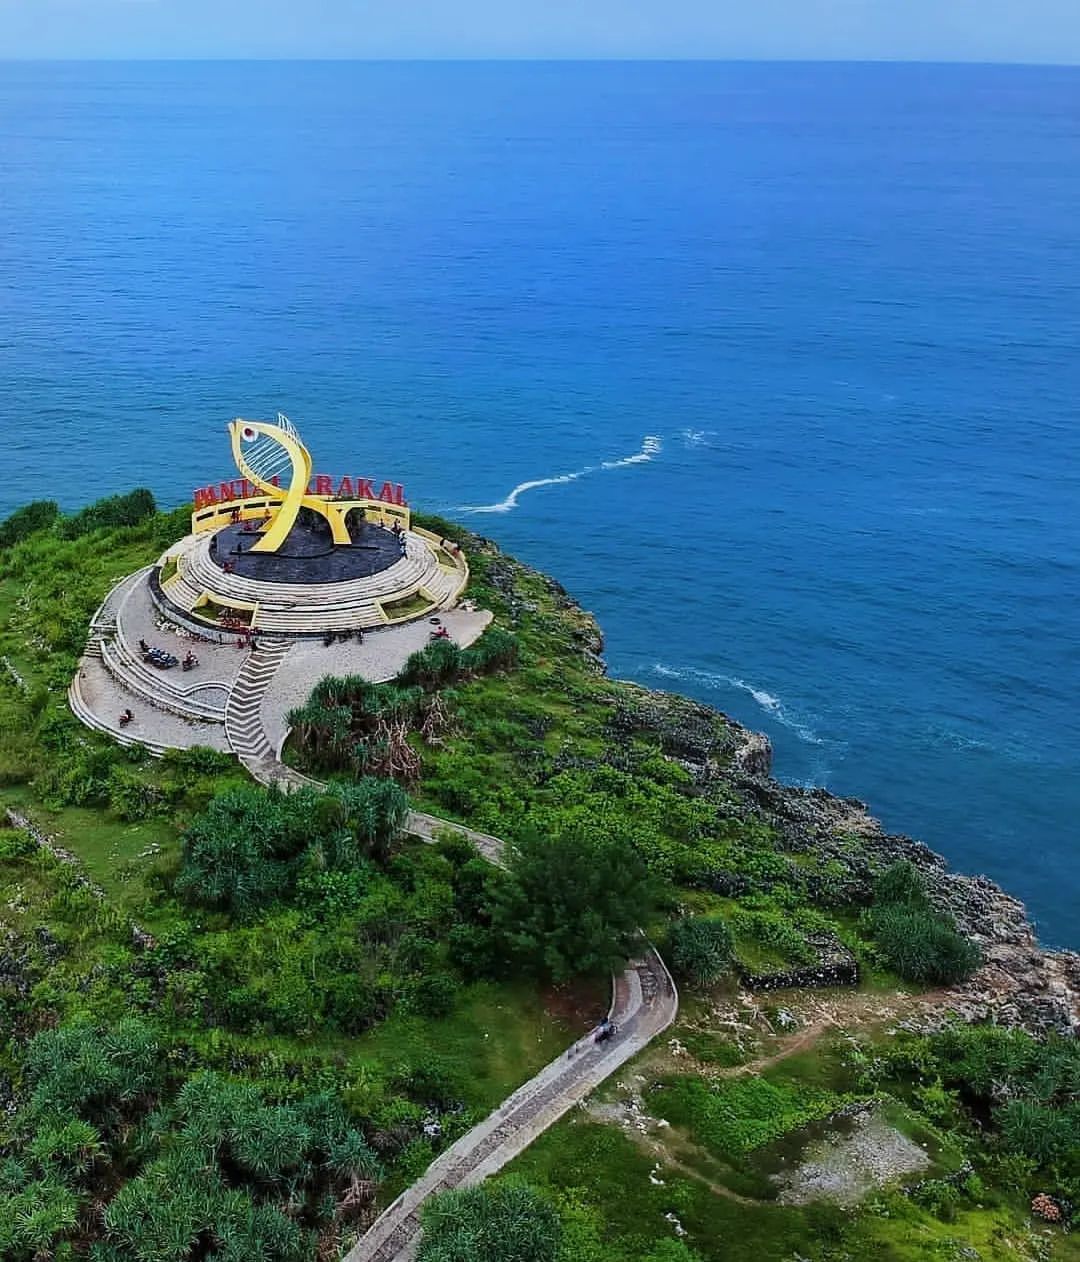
<point x="905" y="30"/>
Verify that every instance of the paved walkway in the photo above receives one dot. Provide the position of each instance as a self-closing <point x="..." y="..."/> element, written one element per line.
<point x="644" y="1005"/>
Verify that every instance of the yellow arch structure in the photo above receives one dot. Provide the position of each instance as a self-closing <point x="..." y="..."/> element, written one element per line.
<point x="295" y="495"/>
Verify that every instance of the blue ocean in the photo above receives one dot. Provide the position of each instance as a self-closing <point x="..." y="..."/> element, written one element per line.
<point x="775" y="367"/>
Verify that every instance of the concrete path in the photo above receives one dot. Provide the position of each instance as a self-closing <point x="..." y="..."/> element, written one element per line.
<point x="644" y="1005"/>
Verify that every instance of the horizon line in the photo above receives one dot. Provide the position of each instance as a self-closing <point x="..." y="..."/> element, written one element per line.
<point x="539" y="60"/>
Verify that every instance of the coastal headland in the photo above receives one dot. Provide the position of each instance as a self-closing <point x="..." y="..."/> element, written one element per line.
<point x="241" y="1018"/>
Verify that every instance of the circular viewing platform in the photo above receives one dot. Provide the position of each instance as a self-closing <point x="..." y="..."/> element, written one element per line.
<point x="215" y="582"/>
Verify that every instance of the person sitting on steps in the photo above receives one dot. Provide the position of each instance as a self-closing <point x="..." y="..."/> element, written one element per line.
<point x="126" y="718"/>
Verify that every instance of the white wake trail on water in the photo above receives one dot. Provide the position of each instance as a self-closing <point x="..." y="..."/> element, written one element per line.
<point x="772" y="706"/>
<point x="650" y="445"/>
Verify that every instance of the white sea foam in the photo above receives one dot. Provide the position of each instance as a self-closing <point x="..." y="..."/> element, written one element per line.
<point x="770" y="704"/>
<point x="650" y="446"/>
<point x="697" y="437"/>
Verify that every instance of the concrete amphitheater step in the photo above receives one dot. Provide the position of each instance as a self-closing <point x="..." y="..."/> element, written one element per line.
<point x="201" y="571"/>
<point x="445" y="586"/>
<point x="88" y="718"/>
<point x="154" y="691"/>
<point x="207" y="694"/>
<point x="311" y="607"/>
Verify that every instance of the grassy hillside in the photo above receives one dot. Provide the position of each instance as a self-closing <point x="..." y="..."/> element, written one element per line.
<point x="286" y="1013"/>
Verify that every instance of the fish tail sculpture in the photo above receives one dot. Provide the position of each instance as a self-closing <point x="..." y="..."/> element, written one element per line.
<point x="264" y="451"/>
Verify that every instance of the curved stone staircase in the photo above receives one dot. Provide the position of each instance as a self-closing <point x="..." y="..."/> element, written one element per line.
<point x="204" y="700"/>
<point x="243" y="711"/>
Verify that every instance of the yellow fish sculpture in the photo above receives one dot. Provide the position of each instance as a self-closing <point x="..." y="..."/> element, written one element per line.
<point x="265" y="451"/>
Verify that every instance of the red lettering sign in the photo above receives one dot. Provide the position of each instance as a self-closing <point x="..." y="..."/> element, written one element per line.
<point x="322" y="485"/>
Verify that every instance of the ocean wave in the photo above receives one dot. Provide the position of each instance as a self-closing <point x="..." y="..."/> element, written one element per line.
<point x="769" y="703"/>
<point x="697" y="437"/>
<point x="650" y="446"/>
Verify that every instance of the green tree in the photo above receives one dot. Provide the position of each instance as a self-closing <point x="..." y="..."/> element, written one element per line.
<point x="573" y="900"/>
<point x="700" y="948"/>
<point x="501" y="1222"/>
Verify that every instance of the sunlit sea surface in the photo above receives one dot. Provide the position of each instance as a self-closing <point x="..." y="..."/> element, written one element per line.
<point x="776" y="368"/>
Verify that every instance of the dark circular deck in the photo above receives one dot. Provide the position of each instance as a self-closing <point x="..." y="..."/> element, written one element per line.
<point x="309" y="554"/>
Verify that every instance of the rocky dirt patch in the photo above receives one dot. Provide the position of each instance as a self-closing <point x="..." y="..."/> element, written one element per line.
<point x="844" y="1168"/>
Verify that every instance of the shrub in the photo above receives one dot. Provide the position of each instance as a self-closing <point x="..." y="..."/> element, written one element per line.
<point x="497" y="649"/>
<point x="438" y="664"/>
<point x="16" y="843"/>
<point x="672" y="1251"/>
<point x="114" y="510"/>
<point x="240" y="852"/>
<point x="700" y="947"/>
<point x="1042" y="1133"/>
<point x="900" y="883"/>
<point x="573" y="900"/>
<point x="249" y="845"/>
<point x="940" y="1197"/>
<point x="922" y="946"/>
<point x="432" y="995"/>
<point x="133" y="797"/>
<point x="96" y="1073"/>
<point x="502" y="1222"/>
<point x="27" y="521"/>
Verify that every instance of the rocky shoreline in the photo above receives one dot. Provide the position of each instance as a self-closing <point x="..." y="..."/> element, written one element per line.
<point x="1020" y="983"/>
